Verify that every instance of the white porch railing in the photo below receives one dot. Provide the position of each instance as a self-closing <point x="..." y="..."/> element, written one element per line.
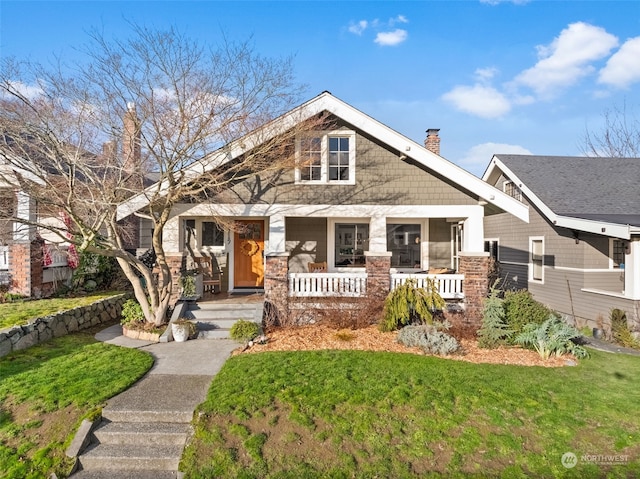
<point x="4" y="257"/>
<point x="327" y="284"/>
<point x="449" y="285"/>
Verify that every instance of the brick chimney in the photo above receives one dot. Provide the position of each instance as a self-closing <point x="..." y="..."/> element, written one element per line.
<point x="109" y="151"/>
<point x="131" y="139"/>
<point x="432" y="142"/>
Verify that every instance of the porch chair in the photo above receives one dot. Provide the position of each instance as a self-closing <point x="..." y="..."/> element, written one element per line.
<point x="210" y="278"/>
<point x="317" y="267"/>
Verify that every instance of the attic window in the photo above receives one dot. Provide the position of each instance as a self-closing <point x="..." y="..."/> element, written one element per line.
<point x="510" y="188"/>
<point x="326" y="157"/>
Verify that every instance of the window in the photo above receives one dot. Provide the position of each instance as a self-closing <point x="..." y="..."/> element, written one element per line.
<point x="326" y="157"/>
<point x="403" y="240"/>
<point x="351" y="241"/>
<point x="491" y="247"/>
<point x="510" y="188"/>
<point x="617" y="249"/>
<point x="212" y="235"/>
<point x="536" y="264"/>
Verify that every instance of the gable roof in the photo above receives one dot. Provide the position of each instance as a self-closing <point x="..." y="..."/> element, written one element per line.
<point x="325" y="102"/>
<point x="582" y="193"/>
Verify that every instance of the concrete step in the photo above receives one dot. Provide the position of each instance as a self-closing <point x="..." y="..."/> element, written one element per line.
<point x="147" y="434"/>
<point x="135" y="415"/>
<point x="131" y="457"/>
<point x="221" y="305"/>
<point x="229" y="314"/>
<point x="208" y="324"/>
<point x="123" y="474"/>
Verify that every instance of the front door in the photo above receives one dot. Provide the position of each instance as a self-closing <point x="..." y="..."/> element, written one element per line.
<point x="248" y="269"/>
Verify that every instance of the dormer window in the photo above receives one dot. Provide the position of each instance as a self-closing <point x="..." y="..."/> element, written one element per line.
<point x="510" y="188"/>
<point x="326" y="157"/>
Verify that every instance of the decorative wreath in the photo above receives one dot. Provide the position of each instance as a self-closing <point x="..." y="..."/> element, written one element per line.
<point x="249" y="247"/>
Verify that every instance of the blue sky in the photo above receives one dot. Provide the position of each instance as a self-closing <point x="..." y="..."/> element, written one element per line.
<point x="495" y="76"/>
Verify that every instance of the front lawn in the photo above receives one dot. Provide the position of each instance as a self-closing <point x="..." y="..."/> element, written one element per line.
<point x="22" y="311"/>
<point x="45" y="392"/>
<point x="369" y="414"/>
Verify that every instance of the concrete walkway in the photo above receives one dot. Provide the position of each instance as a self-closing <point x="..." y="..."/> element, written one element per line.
<point x="169" y="393"/>
<point x="608" y="347"/>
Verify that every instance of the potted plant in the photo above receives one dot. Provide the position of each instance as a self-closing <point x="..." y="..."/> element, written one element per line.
<point x="182" y="329"/>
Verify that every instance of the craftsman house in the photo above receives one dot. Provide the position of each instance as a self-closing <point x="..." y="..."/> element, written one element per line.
<point x="580" y="251"/>
<point x="364" y="209"/>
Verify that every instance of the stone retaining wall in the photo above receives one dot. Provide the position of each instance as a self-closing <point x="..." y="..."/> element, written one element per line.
<point x="60" y="324"/>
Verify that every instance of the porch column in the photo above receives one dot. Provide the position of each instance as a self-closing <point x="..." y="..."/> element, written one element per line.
<point x="378" y="234"/>
<point x="276" y="289"/>
<point x="25" y="251"/>
<point x="632" y="270"/>
<point x="276" y="243"/>
<point x="473" y="228"/>
<point x="378" y="265"/>
<point x="475" y="268"/>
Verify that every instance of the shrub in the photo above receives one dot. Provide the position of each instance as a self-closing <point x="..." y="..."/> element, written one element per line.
<point x="620" y="330"/>
<point x="494" y="330"/>
<point x="244" y="331"/>
<point x="521" y="309"/>
<point x="131" y="313"/>
<point x="409" y="304"/>
<point x="429" y="339"/>
<point x="553" y="336"/>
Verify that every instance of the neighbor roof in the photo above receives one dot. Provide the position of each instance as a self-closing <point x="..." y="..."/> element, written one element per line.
<point x="329" y="103"/>
<point x="603" y="190"/>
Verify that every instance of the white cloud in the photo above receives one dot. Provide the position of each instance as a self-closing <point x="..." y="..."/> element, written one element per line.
<point x="359" y="27"/>
<point x="485" y="74"/>
<point x="30" y="92"/>
<point x="567" y="59"/>
<point x="393" y="38"/>
<point x="623" y="68"/>
<point x="398" y="19"/>
<point x="479" y="100"/>
<point x="478" y="156"/>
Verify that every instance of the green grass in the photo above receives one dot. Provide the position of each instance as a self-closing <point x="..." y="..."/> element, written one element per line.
<point x="362" y="414"/>
<point x="45" y="392"/>
<point x="21" y="312"/>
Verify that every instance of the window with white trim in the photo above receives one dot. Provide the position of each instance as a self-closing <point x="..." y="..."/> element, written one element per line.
<point x="616" y="253"/>
<point x="536" y="259"/>
<point x="351" y="241"/>
<point x="326" y="157"/>
<point x="510" y="188"/>
<point x="403" y="240"/>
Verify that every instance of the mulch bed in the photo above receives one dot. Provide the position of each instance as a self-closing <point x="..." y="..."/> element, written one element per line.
<point x="317" y="336"/>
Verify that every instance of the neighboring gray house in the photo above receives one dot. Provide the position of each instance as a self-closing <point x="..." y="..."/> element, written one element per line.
<point x="580" y="251"/>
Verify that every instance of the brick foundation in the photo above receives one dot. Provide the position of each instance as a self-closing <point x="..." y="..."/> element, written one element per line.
<point x="276" y="290"/>
<point x="378" y="277"/>
<point x="25" y="264"/>
<point x="475" y="287"/>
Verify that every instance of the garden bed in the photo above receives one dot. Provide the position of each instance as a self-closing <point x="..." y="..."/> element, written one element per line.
<point x="317" y="337"/>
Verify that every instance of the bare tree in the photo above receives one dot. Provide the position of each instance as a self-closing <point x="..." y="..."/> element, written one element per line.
<point x="618" y="138"/>
<point x="83" y="140"/>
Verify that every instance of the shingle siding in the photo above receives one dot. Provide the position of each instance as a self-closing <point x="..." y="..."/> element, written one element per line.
<point x="306" y="242"/>
<point x="381" y="178"/>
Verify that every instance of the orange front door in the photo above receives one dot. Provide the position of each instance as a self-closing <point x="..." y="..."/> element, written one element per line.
<point x="248" y="269"/>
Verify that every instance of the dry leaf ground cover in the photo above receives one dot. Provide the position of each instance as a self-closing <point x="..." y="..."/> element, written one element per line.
<point x="318" y="337"/>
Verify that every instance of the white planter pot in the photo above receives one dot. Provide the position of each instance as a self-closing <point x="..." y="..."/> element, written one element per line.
<point x="180" y="332"/>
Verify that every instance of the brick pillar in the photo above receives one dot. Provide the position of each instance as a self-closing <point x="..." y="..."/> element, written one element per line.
<point x="25" y="267"/>
<point x="276" y="289"/>
<point x="378" y="275"/>
<point x="475" y="269"/>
